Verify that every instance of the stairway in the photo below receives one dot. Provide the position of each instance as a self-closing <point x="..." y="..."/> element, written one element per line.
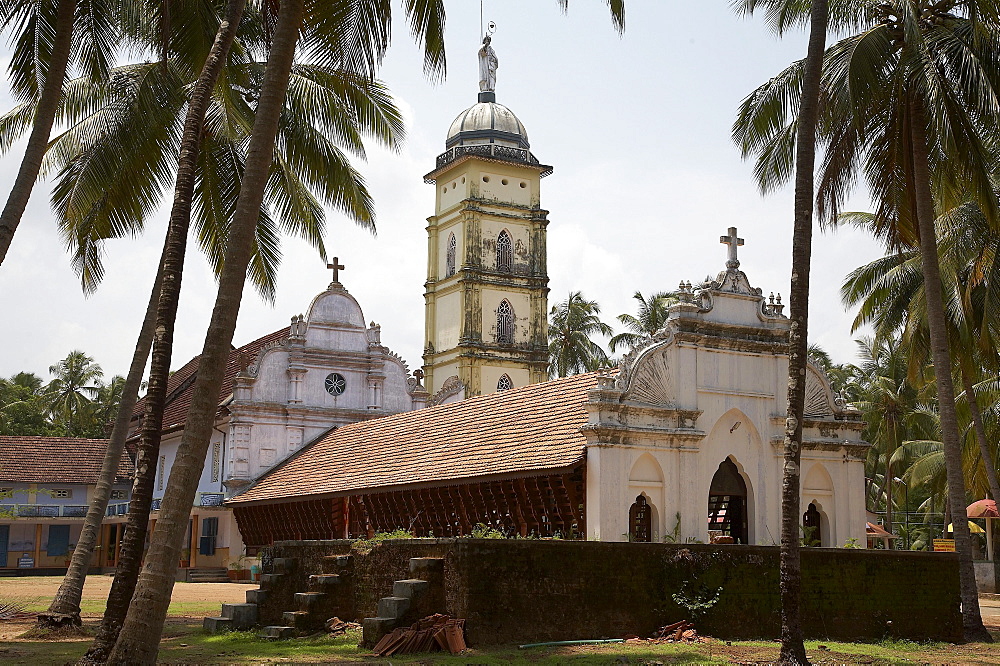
<point x="411" y="599"/>
<point x="207" y="575"/>
<point x="323" y="600"/>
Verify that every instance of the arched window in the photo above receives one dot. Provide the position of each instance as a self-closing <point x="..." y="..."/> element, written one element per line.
<point x="505" y="323"/>
<point x="504" y="383"/>
<point x="505" y="252"/>
<point x="450" y="257"/>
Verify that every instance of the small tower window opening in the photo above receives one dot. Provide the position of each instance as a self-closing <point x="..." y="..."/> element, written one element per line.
<point x="505" y="252"/>
<point x="450" y="256"/>
<point x="504" y="383"/>
<point x="505" y="323"/>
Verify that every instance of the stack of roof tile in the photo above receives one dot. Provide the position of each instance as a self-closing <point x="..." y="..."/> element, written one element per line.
<point x="434" y="633"/>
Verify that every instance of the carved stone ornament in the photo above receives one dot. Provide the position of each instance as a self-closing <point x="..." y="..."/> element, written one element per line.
<point x="820" y="400"/>
<point x="451" y="387"/>
<point x="644" y="374"/>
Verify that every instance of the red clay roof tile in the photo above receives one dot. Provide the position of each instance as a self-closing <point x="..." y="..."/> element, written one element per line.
<point x="532" y="428"/>
<point x="29" y="459"/>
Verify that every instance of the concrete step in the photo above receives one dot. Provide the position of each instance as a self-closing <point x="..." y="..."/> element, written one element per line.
<point x="306" y="600"/>
<point x="215" y="625"/>
<point x="267" y="580"/>
<point x="394" y="607"/>
<point x="256" y="596"/>
<point x="324" y="581"/>
<point x="411" y="588"/>
<point x="374" y="628"/>
<point x="296" y="619"/>
<point x="243" y="616"/>
<point x="207" y="575"/>
<point x="285" y="565"/>
<point x="277" y="632"/>
<point x="421" y="567"/>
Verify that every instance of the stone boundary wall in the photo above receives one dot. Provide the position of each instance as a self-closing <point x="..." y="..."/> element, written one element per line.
<point x="526" y="591"/>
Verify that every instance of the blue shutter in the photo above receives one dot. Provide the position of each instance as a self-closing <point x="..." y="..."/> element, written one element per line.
<point x="4" y="540"/>
<point x="58" y="540"/>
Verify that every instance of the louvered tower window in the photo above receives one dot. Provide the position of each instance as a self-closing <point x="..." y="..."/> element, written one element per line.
<point x="504" y="383"/>
<point x="450" y="257"/>
<point x="505" y="252"/>
<point x="505" y="323"/>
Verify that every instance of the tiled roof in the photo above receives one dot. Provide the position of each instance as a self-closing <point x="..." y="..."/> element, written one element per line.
<point x="533" y="428"/>
<point x="29" y="459"/>
<point x="181" y="383"/>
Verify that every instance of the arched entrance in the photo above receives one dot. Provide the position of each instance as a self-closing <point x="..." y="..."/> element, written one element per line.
<point x="727" y="503"/>
<point x="640" y="521"/>
<point x="812" y="526"/>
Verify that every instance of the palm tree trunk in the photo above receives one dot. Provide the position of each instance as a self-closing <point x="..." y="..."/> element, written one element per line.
<point x="972" y="621"/>
<point x="138" y="642"/>
<point x="792" y="649"/>
<point x="66" y="603"/>
<point x="41" y="127"/>
<point x="980" y="430"/>
<point x="131" y="553"/>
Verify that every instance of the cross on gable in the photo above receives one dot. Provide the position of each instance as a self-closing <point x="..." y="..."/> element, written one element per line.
<point x="733" y="241"/>
<point x="336" y="266"/>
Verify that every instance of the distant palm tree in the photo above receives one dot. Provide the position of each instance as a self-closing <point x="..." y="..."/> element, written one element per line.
<point x="71" y="393"/>
<point x="650" y="317"/>
<point x="571" y="350"/>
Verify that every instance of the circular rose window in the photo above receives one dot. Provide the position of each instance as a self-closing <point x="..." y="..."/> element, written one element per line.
<point x="335" y="383"/>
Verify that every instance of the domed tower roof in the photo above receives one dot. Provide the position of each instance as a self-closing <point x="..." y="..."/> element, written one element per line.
<point x="487" y="122"/>
<point x="488" y="130"/>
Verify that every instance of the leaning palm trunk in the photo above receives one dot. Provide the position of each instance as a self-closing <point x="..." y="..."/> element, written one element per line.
<point x="980" y="429"/>
<point x="65" y="606"/>
<point x="172" y="266"/>
<point x="45" y="113"/>
<point x="792" y="648"/>
<point x="972" y="621"/>
<point x="138" y="642"/>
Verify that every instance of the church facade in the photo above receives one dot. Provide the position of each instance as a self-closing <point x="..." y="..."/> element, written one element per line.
<point x="280" y="393"/>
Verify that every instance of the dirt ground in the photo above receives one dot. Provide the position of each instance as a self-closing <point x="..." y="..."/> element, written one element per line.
<point x="189" y="600"/>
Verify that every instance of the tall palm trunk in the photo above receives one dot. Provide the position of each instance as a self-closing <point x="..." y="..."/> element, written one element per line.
<point x="980" y="430"/>
<point x="41" y="127"/>
<point x="66" y="604"/>
<point x="131" y="552"/>
<point x="792" y="649"/>
<point x="972" y="621"/>
<point x="138" y="642"/>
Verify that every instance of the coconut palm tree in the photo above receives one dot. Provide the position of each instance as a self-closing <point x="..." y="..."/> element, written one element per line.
<point x="781" y="17"/>
<point x="890" y="295"/>
<point x="911" y="102"/>
<point x="51" y="35"/>
<point x="71" y="393"/>
<point x="650" y="317"/>
<point x="572" y="323"/>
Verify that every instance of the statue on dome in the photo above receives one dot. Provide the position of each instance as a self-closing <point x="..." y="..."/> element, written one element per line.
<point x="488" y="64"/>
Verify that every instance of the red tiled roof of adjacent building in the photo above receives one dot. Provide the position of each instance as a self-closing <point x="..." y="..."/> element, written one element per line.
<point x="180" y="386"/>
<point x="521" y="430"/>
<point x="30" y="459"/>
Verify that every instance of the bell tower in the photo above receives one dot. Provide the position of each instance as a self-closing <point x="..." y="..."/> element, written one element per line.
<point x="486" y="295"/>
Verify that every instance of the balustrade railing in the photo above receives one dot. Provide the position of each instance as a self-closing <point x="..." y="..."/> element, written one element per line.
<point x="43" y="510"/>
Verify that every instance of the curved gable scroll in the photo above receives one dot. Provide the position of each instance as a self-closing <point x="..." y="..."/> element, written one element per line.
<point x="820" y="401"/>
<point x="648" y="376"/>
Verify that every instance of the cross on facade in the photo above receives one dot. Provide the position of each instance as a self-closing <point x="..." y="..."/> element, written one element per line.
<point x="419" y="374"/>
<point x="336" y="266"/>
<point x="733" y="241"/>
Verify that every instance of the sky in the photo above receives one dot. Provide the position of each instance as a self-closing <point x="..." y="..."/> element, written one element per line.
<point x="647" y="178"/>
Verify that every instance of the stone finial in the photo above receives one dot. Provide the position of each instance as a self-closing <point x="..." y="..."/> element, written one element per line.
<point x="733" y="241"/>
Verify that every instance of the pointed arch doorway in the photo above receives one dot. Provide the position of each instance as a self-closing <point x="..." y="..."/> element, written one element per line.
<point x="728" y="505"/>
